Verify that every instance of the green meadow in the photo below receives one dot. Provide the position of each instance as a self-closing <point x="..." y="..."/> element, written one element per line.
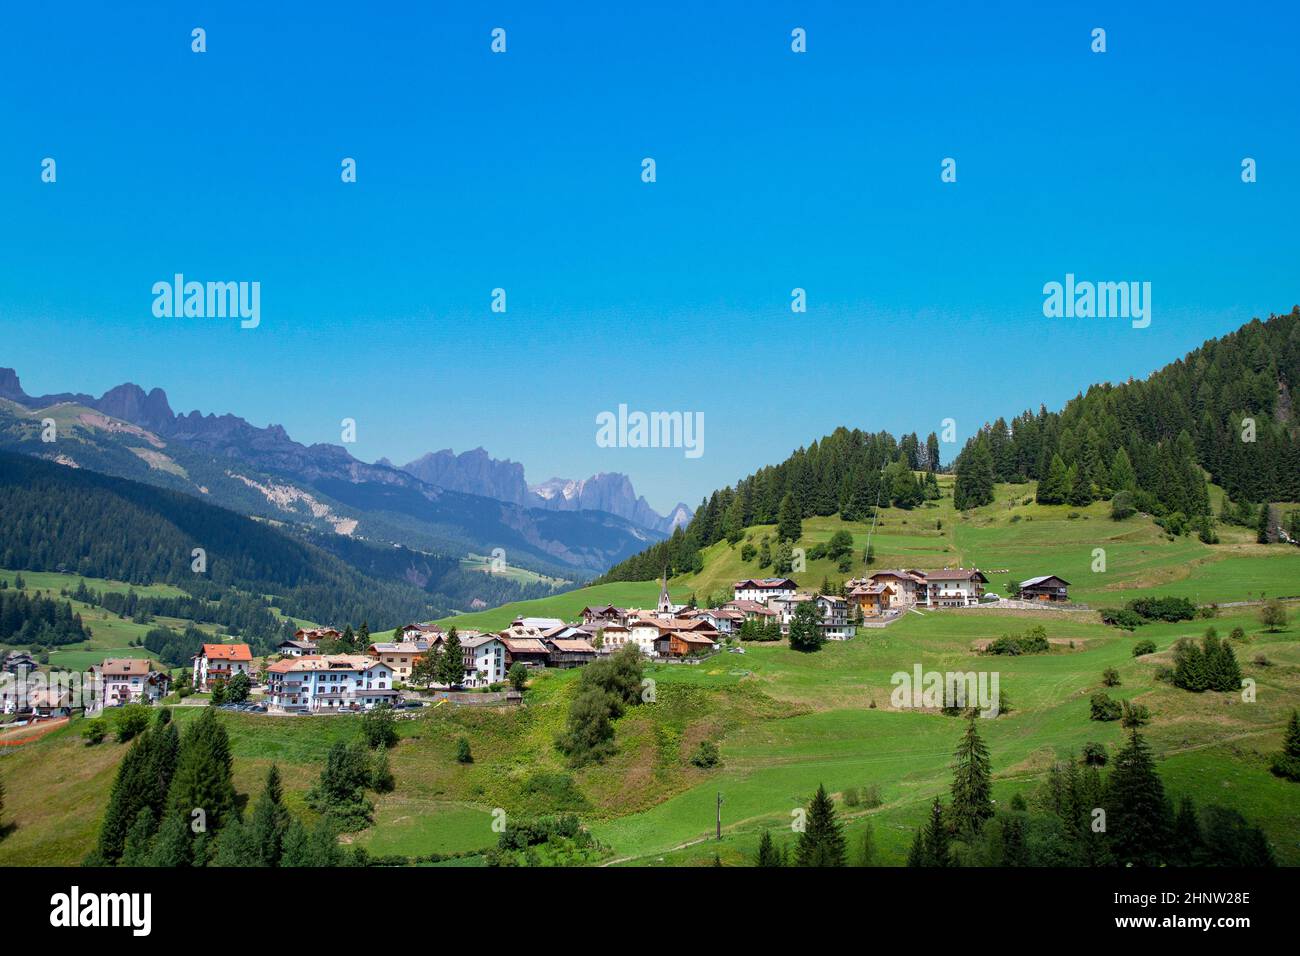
<point x="786" y="722"/>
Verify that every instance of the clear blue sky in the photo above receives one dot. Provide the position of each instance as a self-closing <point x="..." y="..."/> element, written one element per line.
<point x="522" y="170"/>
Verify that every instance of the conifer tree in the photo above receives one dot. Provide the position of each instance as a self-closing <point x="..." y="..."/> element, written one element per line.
<point x="132" y="790"/>
<point x="789" y="526"/>
<point x="202" y="779"/>
<point x="768" y="855"/>
<point x="931" y="845"/>
<point x="270" y="821"/>
<point x="173" y="846"/>
<point x="972" y="791"/>
<point x="451" y="662"/>
<point x="1137" y="814"/>
<point x="1122" y="476"/>
<point x="1187" y="841"/>
<point x="138" y="840"/>
<point x="235" y="846"/>
<point x="822" y="841"/>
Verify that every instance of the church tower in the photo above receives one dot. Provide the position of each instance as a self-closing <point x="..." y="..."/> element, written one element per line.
<point x="665" y="602"/>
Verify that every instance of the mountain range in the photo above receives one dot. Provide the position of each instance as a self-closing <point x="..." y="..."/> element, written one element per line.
<point x="452" y="504"/>
<point x="476" y="472"/>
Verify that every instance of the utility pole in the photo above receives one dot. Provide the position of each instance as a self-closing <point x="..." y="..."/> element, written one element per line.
<point x="719" y="819"/>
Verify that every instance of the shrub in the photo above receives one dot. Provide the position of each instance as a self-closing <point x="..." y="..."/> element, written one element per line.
<point x="131" y="720"/>
<point x="1094" y="754"/>
<point x="1144" y="647"/>
<point x="706" y="755"/>
<point x="1110" y="677"/>
<point x="379" y="727"/>
<point x="851" y="797"/>
<point x="94" y="731"/>
<point x="1238" y="635"/>
<point x="1135" y="715"/>
<point x="1104" y="708"/>
<point x="871" y="796"/>
<point x="1121" y="618"/>
<point x="463" y="753"/>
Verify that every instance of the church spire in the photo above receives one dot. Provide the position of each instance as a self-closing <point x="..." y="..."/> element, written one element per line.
<point x="665" y="602"/>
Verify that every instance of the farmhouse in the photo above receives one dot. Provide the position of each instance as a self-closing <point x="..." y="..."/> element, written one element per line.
<point x="751" y="610"/>
<point x="317" y="634"/>
<point x="1048" y="587"/>
<point x="334" y="683"/>
<point x="530" y="650"/>
<point x="19" y="661"/>
<point x="954" y="587"/>
<point x="612" y="637"/>
<point x="687" y="643"/>
<point x="126" y="680"/>
<point x="569" y="652"/>
<point x="221" y="662"/>
<point x="762" y="590"/>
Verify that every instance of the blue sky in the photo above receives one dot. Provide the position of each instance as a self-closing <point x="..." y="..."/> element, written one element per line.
<point x="522" y="171"/>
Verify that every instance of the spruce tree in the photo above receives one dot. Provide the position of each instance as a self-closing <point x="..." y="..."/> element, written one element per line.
<point x="1137" y="814"/>
<point x="132" y="790"/>
<point x="173" y="847"/>
<point x="931" y="846"/>
<point x="451" y="662"/>
<point x="972" y="791"/>
<point x="1187" y="841"/>
<point x="1122" y="476"/>
<point x="789" y="526"/>
<point x="822" y="842"/>
<point x="270" y="821"/>
<point x="202" y="780"/>
<point x="138" y="840"/>
<point x="235" y="847"/>
<point x="768" y="855"/>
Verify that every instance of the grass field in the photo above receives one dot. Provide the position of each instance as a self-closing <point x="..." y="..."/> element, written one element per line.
<point x="787" y="722"/>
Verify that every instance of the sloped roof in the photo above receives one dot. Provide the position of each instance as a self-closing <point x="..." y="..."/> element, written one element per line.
<point x="227" y="652"/>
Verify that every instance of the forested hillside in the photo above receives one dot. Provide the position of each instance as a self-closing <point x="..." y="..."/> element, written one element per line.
<point x="1153" y="439"/>
<point x="1226" y="408"/>
<point x="59" y="518"/>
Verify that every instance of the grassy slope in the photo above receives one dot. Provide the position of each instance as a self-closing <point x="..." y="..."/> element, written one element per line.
<point x="786" y="721"/>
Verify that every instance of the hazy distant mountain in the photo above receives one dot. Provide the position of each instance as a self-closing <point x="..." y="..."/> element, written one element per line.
<point x="473" y="472"/>
<point x="478" y="473"/>
<point x="612" y="492"/>
<point x="129" y="433"/>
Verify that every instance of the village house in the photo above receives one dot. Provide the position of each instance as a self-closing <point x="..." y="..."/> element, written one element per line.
<point x="569" y="652"/>
<point x="334" y="683"/>
<point x="485" y="659"/>
<point x="400" y="658"/>
<point x="687" y="644"/>
<point x="126" y="680"/>
<point x="529" y="649"/>
<point x="221" y="662"/>
<point x="785" y="608"/>
<point x="314" y="635"/>
<point x="611" y="638"/>
<point x="752" y="611"/>
<point x="1047" y="588"/>
<point x="874" y="598"/>
<point x="954" y="587"/>
<point x="538" y="624"/>
<point x="763" y="590"/>
<point x="909" y="586"/>
<point x="606" y="614"/>
<point x="297" y="648"/>
<point x="430" y="634"/>
<point x="834" y="624"/>
<point x="51" y="702"/>
<point x="19" y="661"/>
<point x="723" y="620"/>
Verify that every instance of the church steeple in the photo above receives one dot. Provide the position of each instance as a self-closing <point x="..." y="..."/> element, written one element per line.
<point x="665" y="602"/>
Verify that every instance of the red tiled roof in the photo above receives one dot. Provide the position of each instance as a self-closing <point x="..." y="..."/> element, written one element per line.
<point x="227" y="652"/>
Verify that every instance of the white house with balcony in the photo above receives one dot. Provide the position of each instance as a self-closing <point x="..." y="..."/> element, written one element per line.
<point x="331" y="684"/>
